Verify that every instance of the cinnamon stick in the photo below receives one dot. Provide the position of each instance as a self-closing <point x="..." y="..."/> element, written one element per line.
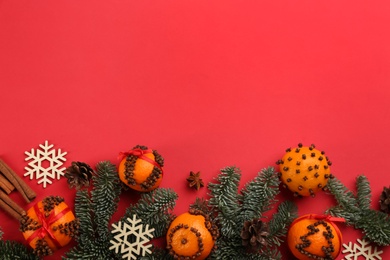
<point x="5" y="185"/>
<point x="27" y="193"/>
<point x="9" y="206"/>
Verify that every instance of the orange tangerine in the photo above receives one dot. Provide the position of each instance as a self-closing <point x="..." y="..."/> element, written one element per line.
<point x="304" y="170"/>
<point x="191" y="236"/>
<point x="314" y="237"/>
<point x="141" y="169"/>
<point x="49" y="225"/>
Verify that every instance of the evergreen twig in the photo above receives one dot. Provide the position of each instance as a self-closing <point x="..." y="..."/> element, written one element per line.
<point x="224" y="200"/>
<point x="232" y="209"/>
<point x="259" y="194"/>
<point x="281" y="220"/>
<point x="374" y="224"/>
<point x="363" y="194"/>
<point x="95" y="212"/>
<point x="83" y="210"/>
<point x="154" y="208"/>
<point x="11" y="250"/>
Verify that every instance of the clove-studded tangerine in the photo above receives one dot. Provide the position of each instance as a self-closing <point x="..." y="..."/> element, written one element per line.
<point x="191" y="235"/>
<point x="315" y="237"/>
<point x="304" y="170"/>
<point x="141" y="168"/>
<point x="49" y="225"/>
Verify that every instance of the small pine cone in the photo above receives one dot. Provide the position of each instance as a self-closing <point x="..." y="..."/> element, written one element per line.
<point x="254" y="234"/>
<point x="79" y="175"/>
<point x="384" y="200"/>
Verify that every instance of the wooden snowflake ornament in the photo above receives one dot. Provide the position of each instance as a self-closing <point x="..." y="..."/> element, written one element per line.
<point x="36" y="167"/>
<point x="361" y="248"/>
<point x="131" y="239"/>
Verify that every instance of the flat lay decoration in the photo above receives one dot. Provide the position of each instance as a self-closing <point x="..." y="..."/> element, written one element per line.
<point x="131" y="238"/>
<point x="225" y="129"/>
<point x="37" y="169"/>
<point x="361" y="249"/>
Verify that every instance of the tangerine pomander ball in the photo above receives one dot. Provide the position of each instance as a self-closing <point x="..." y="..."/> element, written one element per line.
<point x="314" y="237"/>
<point x="49" y="225"/>
<point x="191" y="235"/>
<point x="141" y="169"/>
<point x="304" y="170"/>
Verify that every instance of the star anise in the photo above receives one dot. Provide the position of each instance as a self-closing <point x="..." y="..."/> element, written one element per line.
<point x="194" y="181"/>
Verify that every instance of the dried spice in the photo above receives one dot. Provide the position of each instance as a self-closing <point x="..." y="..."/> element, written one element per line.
<point x="194" y="181"/>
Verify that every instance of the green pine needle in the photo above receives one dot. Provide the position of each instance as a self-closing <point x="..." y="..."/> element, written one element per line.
<point x="363" y="192"/>
<point x="259" y="194"/>
<point x="155" y="209"/>
<point x="10" y="250"/>
<point x="355" y="209"/>
<point x="232" y="209"/>
<point x="344" y="197"/>
<point x="95" y="212"/>
<point x="225" y="200"/>
<point x="280" y="222"/>
<point x="83" y="210"/>
<point x="105" y="198"/>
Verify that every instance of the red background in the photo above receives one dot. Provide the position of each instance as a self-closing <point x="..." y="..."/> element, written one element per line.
<point x="208" y="84"/>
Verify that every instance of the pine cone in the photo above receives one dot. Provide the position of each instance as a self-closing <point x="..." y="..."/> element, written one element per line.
<point x="384" y="200"/>
<point x="79" y="175"/>
<point x="254" y="234"/>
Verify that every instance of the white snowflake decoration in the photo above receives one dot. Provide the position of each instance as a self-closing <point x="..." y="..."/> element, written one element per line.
<point x="37" y="169"/>
<point x="364" y="250"/>
<point x="124" y="231"/>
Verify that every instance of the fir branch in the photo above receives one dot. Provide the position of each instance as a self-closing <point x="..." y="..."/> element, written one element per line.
<point x="259" y="194"/>
<point x="157" y="254"/>
<point x="344" y="197"/>
<point x="83" y="211"/>
<point x="105" y="198"/>
<point x="10" y="250"/>
<point x="154" y="208"/>
<point x="202" y="205"/>
<point x="95" y="212"/>
<point x="363" y="192"/>
<point x="1" y="234"/>
<point x="281" y="220"/>
<point x="227" y="249"/>
<point x="232" y="249"/>
<point x="233" y="209"/>
<point x="374" y="224"/>
<point x="225" y="200"/>
<point x="349" y="216"/>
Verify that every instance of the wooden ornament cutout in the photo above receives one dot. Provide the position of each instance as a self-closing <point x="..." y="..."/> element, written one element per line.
<point x="45" y="164"/>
